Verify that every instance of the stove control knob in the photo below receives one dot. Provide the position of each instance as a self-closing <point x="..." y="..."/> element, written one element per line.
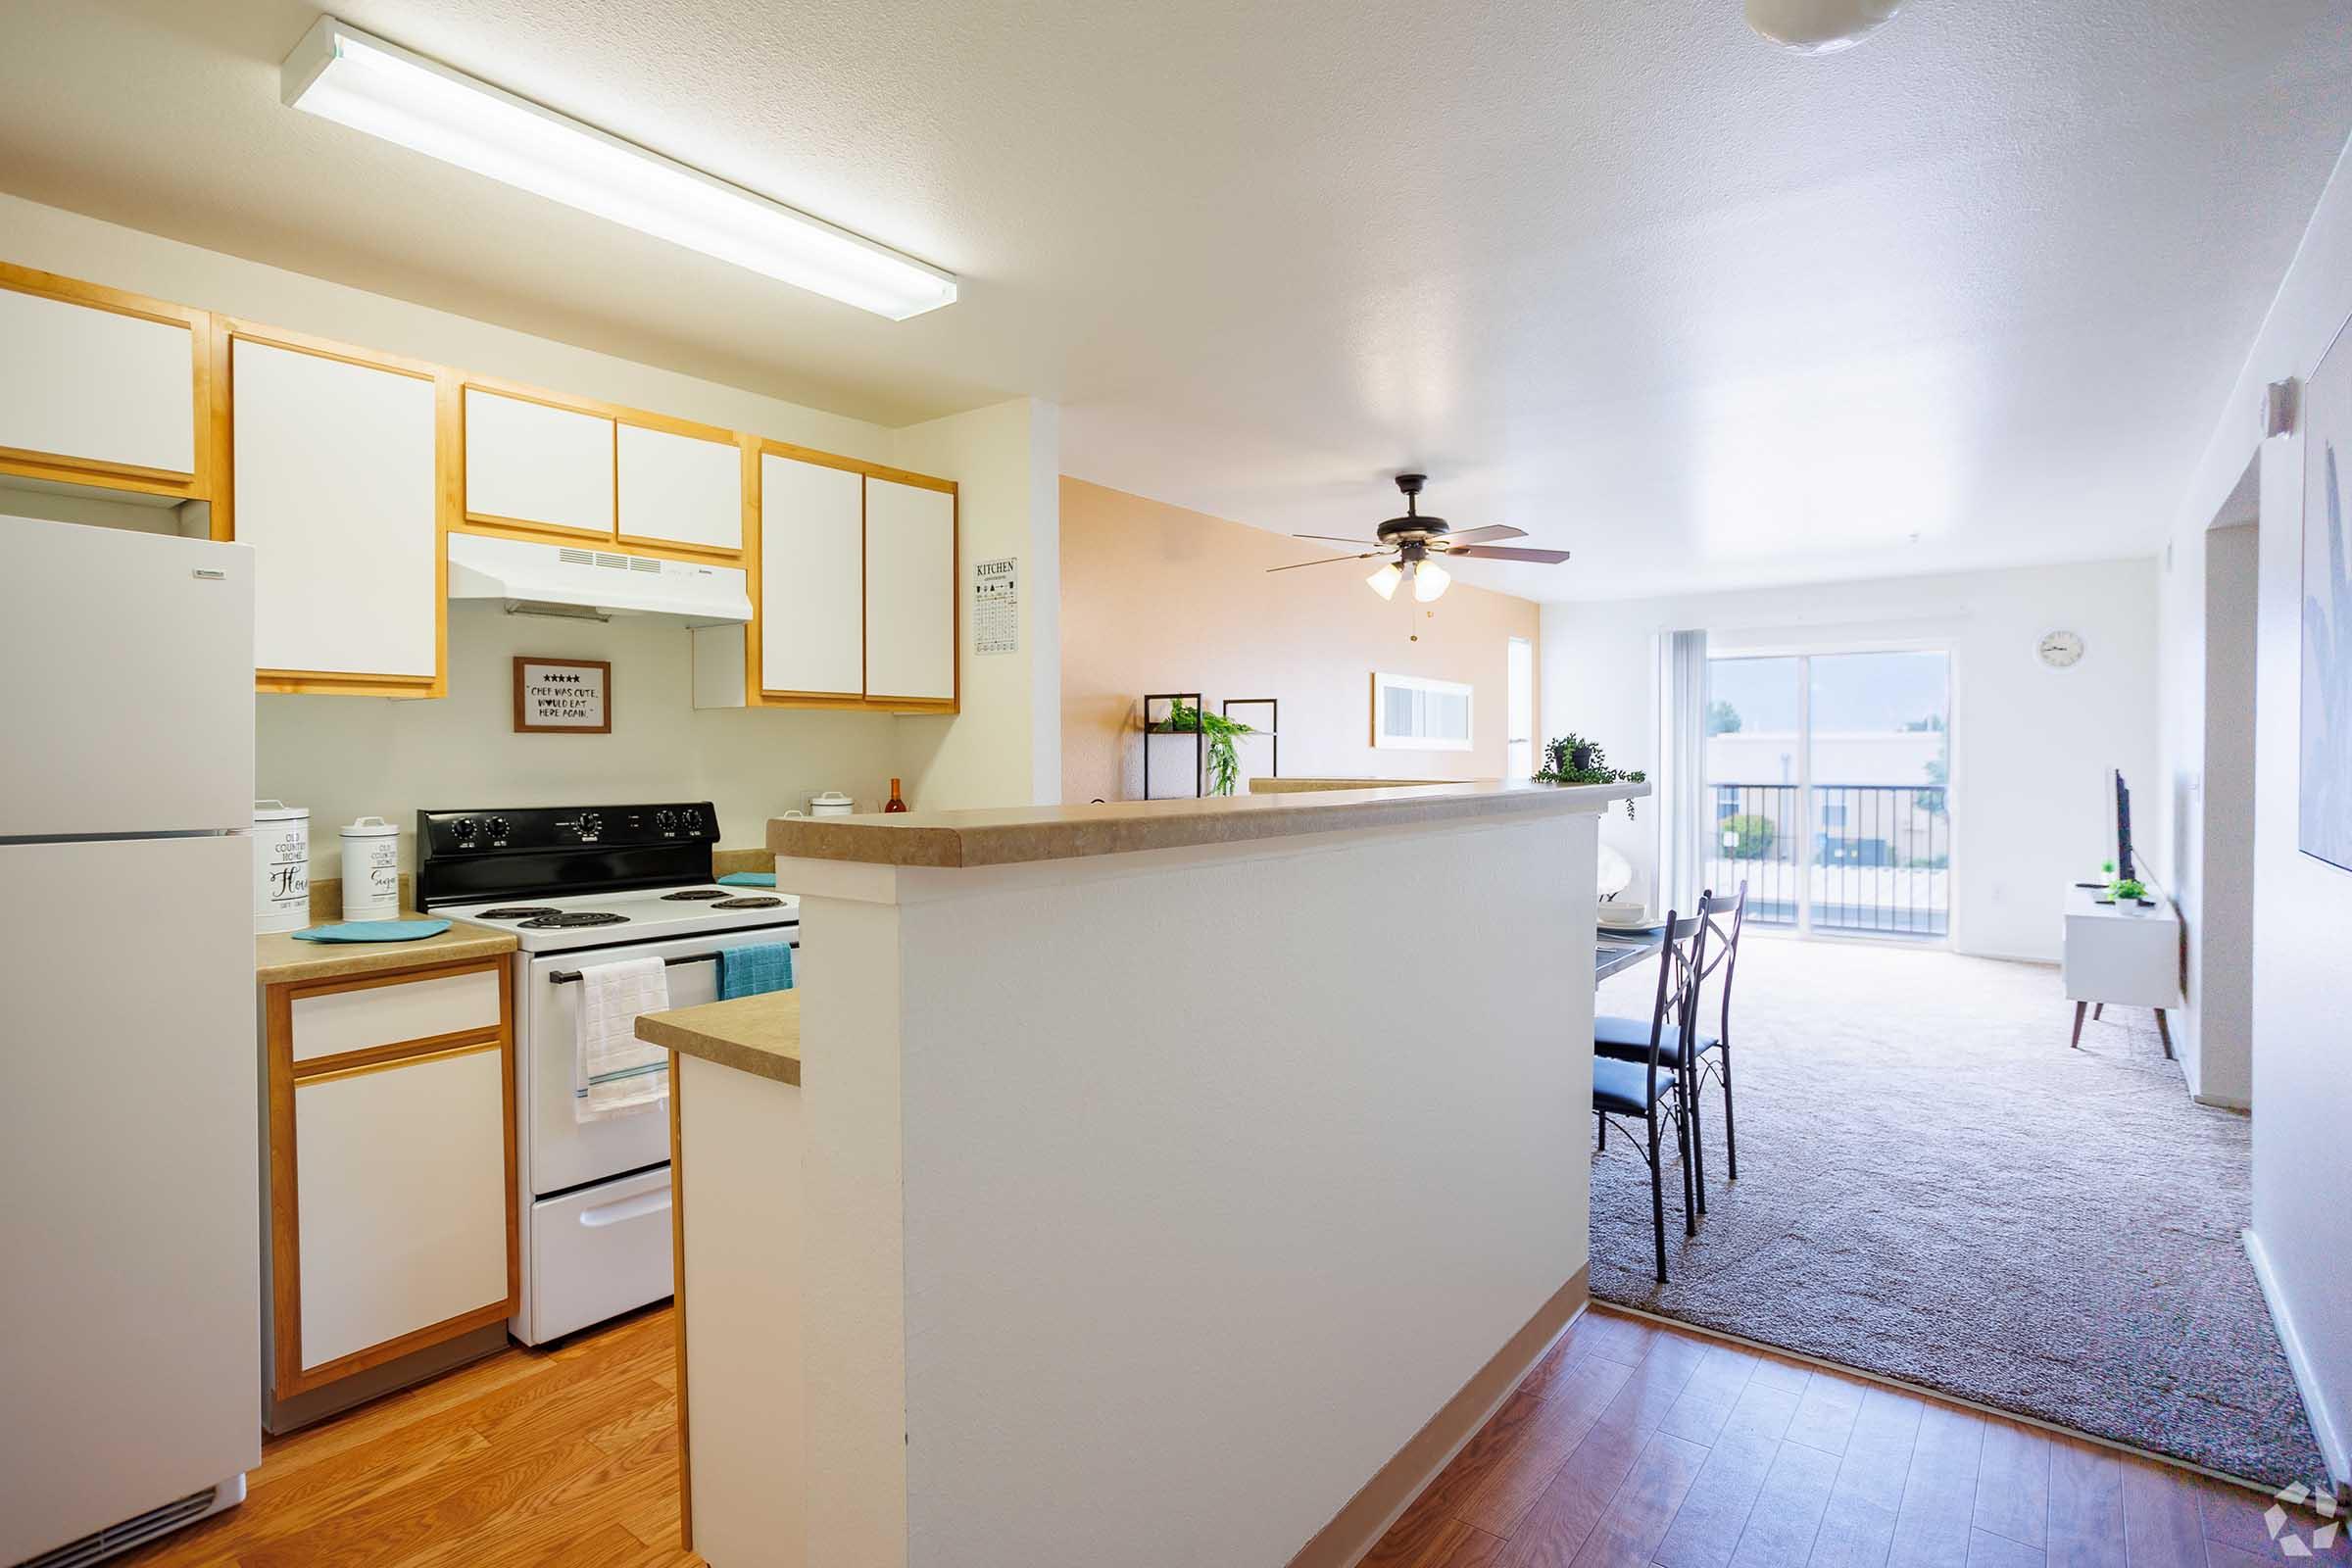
<point x="666" y="820"/>
<point x="694" y="820"/>
<point x="591" y="824"/>
<point x="463" y="829"/>
<point x="496" y="827"/>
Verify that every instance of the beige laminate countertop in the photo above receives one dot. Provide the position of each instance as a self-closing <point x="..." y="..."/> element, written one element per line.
<point x="1015" y="834"/>
<point x="1298" y="786"/>
<point x="280" y="959"/>
<point x="753" y="1034"/>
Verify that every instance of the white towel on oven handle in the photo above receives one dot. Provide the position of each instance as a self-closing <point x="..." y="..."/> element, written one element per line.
<point x="614" y="1072"/>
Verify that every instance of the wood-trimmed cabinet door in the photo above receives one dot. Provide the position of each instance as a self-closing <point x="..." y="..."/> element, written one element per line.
<point x="811" y="580"/>
<point x="910" y="593"/>
<point x="392" y="1167"/>
<point x="103" y="387"/>
<point x="334" y="479"/>
<point x="679" y="488"/>
<point x="537" y="466"/>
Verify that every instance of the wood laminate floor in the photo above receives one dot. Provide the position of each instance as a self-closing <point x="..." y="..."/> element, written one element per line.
<point x="1636" y="1444"/>
<point x="528" y="1458"/>
<point x="1630" y="1444"/>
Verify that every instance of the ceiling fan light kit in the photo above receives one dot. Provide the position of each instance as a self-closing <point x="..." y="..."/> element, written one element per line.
<point x="1819" y="26"/>
<point x="1414" y="542"/>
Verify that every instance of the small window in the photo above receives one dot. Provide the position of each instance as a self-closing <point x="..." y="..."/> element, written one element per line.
<point x="1413" y="714"/>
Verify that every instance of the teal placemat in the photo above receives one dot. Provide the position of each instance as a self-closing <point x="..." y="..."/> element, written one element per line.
<point x="748" y="879"/>
<point x="373" y="931"/>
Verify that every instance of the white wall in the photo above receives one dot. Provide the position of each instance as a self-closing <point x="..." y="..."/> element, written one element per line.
<point x="2206" y="617"/>
<point x="2031" y="746"/>
<point x="1181" y="1267"/>
<point x="1004" y="748"/>
<point x="2302" y="906"/>
<point x="346" y="755"/>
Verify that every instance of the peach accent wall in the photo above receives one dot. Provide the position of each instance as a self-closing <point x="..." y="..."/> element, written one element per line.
<point x="1155" y="598"/>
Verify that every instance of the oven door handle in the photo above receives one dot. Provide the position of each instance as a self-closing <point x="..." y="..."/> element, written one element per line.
<point x="569" y="977"/>
<point x="627" y="1208"/>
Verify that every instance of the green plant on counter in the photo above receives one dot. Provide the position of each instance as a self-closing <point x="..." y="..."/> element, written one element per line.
<point x="2127" y="888"/>
<point x="1573" y="760"/>
<point x="1224" y="765"/>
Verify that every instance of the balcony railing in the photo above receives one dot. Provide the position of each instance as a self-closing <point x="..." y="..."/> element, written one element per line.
<point x="1873" y="860"/>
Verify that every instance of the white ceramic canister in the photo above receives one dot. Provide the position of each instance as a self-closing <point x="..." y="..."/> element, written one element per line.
<point x="282" y="866"/>
<point x="370" y="870"/>
<point x="831" y="804"/>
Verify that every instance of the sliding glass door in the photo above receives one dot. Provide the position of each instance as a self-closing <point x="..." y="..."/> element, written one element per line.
<point x="1827" y="790"/>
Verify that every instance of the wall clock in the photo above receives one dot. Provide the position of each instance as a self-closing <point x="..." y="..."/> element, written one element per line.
<point x="2060" y="649"/>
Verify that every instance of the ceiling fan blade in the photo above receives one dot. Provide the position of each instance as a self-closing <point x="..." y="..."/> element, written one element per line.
<point x="1492" y="531"/>
<point x="1505" y="553"/>
<point x="1325" y="561"/>
<point x="1331" y="538"/>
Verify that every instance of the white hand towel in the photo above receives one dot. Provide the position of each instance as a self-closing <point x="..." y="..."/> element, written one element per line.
<point x="614" y="1072"/>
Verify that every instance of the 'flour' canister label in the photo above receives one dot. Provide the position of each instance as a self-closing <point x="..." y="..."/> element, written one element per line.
<point x="370" y="870"/>
<point x="282" y="866"/>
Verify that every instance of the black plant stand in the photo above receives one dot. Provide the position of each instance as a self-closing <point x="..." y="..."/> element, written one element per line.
<point x="1199" y="735"/>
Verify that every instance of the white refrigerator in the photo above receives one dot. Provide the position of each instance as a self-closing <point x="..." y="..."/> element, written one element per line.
<point x="129" y="1245"/>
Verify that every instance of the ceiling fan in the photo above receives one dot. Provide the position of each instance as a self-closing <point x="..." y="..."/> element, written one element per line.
<point x="1417" y="543"/>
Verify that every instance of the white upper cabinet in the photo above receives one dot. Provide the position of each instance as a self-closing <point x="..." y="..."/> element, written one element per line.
<point x="94" y="388"/>
<point x="812" y="625"/>
<point x="909" y="591"/>
<point x="532" y="463"/>
<point x="680" y="489"/>
<point x="334" y="489"/>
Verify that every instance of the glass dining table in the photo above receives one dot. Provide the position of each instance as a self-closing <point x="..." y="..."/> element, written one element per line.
<point x="1613" y="954"/>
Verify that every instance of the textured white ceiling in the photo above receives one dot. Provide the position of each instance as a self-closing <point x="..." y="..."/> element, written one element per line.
<point x="1616" y="273"/>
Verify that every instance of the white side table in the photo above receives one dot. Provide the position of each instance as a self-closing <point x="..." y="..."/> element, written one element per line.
<point x="2123" y="954"/>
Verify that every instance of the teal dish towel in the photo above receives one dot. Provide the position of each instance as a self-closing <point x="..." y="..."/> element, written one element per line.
<point x="748" y="879"/>
<point x="755" y="971"/>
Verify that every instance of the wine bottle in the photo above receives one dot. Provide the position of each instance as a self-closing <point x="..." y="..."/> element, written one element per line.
<point x="895" y="803"/>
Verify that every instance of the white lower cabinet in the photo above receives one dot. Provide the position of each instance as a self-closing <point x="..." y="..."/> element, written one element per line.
<point x="391" y="1157"/>
<point x="402" y="1174"/>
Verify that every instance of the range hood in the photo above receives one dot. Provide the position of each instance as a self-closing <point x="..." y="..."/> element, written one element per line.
<point x="575" y="580"/>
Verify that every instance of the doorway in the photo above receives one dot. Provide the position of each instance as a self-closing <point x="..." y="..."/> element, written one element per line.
<point x="1827" y="790"/>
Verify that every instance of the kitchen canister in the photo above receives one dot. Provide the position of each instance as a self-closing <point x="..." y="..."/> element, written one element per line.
<point x="282" y="866"/>
<point x="370" y="870"/>
<point x="830" y="803"/>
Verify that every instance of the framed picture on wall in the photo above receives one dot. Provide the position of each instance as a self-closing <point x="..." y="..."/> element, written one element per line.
<point x="2326" y="784"/>
<point x="1412" y="713"/>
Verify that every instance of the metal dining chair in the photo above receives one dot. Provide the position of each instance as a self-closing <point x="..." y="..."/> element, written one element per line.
<point x="1623" y="1039"/>
<point x="1651" y="1087"/>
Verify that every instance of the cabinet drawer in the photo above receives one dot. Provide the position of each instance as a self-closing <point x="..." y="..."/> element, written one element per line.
<point x="333" y="1022"/>
<point x="401" y="1183"/>
<point x="533" y="463"/>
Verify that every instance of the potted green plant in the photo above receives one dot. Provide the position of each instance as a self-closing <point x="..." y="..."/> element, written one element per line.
<point x="1573" y="760"/>
<point x="1224" y="765"/>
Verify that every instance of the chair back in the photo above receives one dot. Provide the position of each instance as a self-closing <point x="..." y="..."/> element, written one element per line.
<point x="1681" y="968"/>
<point x="1724" y="920"/>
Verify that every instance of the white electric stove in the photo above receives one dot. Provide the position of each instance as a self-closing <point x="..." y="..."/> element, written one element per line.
<point x="580" y="886"/>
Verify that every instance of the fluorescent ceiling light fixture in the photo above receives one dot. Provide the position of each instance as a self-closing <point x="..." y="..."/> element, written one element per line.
<point x="346" y="76"/>
<point x="1384" y="582"/>
<point x="1430" y="580"/>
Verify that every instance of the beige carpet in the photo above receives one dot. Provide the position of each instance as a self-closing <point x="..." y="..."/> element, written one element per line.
<point x="1933" y="1186"/>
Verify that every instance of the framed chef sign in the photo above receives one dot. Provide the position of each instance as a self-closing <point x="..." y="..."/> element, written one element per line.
<point x="563" y="697"/>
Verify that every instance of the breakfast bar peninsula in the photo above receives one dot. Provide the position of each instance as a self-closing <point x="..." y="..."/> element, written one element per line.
<point x="1167" y="1182"/>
